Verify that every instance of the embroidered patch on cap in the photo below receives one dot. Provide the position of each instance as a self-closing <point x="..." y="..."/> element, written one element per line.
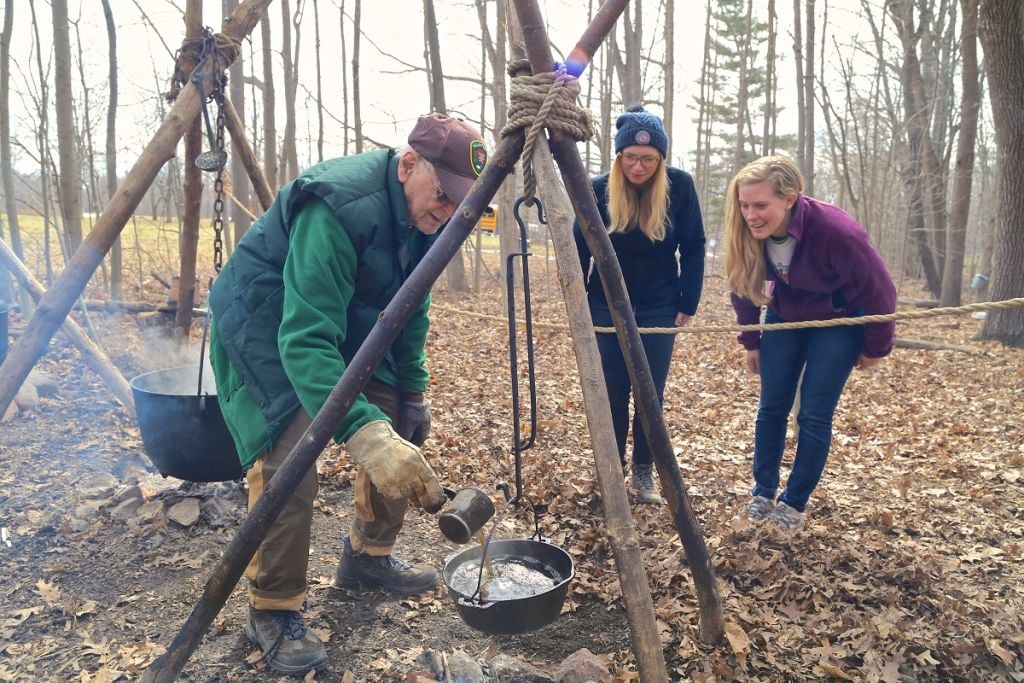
<point x="477" y="156"/>
<point x="643" y="137"/>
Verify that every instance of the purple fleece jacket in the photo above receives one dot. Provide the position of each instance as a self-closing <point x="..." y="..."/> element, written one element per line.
<point x="835" y="272"/>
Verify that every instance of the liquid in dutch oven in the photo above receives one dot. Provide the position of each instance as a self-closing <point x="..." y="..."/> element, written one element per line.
<point x="511" y="578"/>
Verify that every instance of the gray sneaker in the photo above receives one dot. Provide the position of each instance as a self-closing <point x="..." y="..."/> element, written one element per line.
<point x="760" y="508"/>
<point x="287" y="645"/>
<point x="787" y="518"/>
<point x="643" y="484"/>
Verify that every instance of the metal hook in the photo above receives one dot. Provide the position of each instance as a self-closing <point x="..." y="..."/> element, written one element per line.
<point x="541" y="216"/>
<point x="214" y="159"/>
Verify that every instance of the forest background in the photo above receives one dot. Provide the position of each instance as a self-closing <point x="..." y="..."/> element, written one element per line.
<point x="886" y="104"/>
<point x="907" y="113"/>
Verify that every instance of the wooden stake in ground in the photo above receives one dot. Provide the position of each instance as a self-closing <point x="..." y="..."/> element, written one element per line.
<point x="57" y="302"/>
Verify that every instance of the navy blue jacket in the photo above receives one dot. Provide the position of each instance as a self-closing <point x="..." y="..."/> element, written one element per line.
<point x="665" y="274"/>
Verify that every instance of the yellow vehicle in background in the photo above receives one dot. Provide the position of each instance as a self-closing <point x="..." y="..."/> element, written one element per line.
<point x="489" y="220"/>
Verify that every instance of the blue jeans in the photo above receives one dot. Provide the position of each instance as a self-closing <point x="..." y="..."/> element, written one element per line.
<point x="826" y="355"/>
<point x="658" y="349"/>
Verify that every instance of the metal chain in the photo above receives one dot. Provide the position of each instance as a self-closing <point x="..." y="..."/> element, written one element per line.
<point x="220" y="82"/>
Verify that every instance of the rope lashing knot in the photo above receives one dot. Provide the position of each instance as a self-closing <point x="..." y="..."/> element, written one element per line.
<point x="545" y="100"/>
<point x="222" y="49"/>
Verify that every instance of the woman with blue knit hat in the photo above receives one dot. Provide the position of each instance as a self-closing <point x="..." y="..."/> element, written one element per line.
<point x="653" y="219"/>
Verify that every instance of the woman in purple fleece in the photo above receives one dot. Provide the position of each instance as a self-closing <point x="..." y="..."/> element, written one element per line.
<point x="805" y="260"/>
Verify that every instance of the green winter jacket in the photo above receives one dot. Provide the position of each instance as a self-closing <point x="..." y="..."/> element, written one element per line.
<point x="301" y="292"/>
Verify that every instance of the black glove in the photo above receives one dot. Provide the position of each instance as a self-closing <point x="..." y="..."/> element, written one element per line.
<point x="413" y="417"/>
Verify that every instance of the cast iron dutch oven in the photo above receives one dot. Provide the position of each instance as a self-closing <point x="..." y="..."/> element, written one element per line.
<point x="520" y="615"/>
<point x="182" y="428"/>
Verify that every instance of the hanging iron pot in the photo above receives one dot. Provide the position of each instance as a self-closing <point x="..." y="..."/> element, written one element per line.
<point x="183" y="431"/>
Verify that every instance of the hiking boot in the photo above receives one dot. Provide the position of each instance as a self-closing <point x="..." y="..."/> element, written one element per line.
<point x="643" y="484"/>
<point x="760" y="508"/>
<point x="359" y="570"/>
<point x="787" y="518"/>
<point x="286" y="644"/>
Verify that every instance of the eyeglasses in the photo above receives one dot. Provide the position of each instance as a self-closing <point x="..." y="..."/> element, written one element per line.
<point x="442" y="198"/>
<point x="647" y="160"/>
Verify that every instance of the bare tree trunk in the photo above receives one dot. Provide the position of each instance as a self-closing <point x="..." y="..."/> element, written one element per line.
<point x="93" y="201"/>
<point x="270" y="169"/>
<point x="507" y="193"/>
<point x="801" y="101"/>
<point x="6" y="170"/>
<point x="952" y="274"/>
<point x="626" y="60"/>
<point x="319" y="85"/>
<point x="771" y="116"/>
<point x="70" y="186"/>
<point x="989" y="213"/>
<point x="670" y="69"/>
<point x="43" y="142"/>
<point x="188" y="244"/>
<point x="743" y="49"/>
<point x="607" y="120"/>
<point x="356" y="105"/>
<point x="289" y="154"/>
<point x="456" y="270"/>
<point x="1003" y="41"/>
<point x="344" y="78"/>
<point x="705" y="117"/>
<point x="116" y="266"/>
<point x="808" y="86"/>
<point x="919" y="173"/>
<point x="432" y="50"/>
<point x="240" y="185"/>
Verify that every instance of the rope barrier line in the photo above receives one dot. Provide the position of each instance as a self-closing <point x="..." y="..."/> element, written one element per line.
<point x="833" y="322"/>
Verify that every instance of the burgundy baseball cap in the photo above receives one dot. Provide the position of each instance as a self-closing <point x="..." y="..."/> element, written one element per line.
<point x="454" y="148"/>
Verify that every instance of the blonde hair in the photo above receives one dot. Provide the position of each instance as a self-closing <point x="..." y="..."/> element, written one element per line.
<point x="744" y="254"/>
<point x="628" y="210"/>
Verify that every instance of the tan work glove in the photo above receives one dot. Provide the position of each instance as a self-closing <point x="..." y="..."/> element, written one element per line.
<point x="395" y="466"/>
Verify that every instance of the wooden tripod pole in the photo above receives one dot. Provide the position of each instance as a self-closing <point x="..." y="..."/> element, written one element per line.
<point x="636" y="594"/>
<point x="712" y="622"/>
<point x="252" y="165"/>
<point x="92" y="353"/>
<point x="622" y="537"/>
<point x="357" y="373"/>
<point x="60" y="298"/>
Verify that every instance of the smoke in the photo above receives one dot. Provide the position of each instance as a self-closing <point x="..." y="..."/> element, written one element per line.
<point x="160" y="352"/>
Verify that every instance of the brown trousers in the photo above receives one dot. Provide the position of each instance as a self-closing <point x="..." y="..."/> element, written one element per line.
<point x="277" y="572"/>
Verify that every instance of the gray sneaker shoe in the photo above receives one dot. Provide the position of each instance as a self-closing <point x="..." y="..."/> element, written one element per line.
<point x="287" y="646"/>
<point x="787" y="518"/>
<point x="760" y="508"/>
<point x="643" y="484"/>
<point x="359" y="570"/>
